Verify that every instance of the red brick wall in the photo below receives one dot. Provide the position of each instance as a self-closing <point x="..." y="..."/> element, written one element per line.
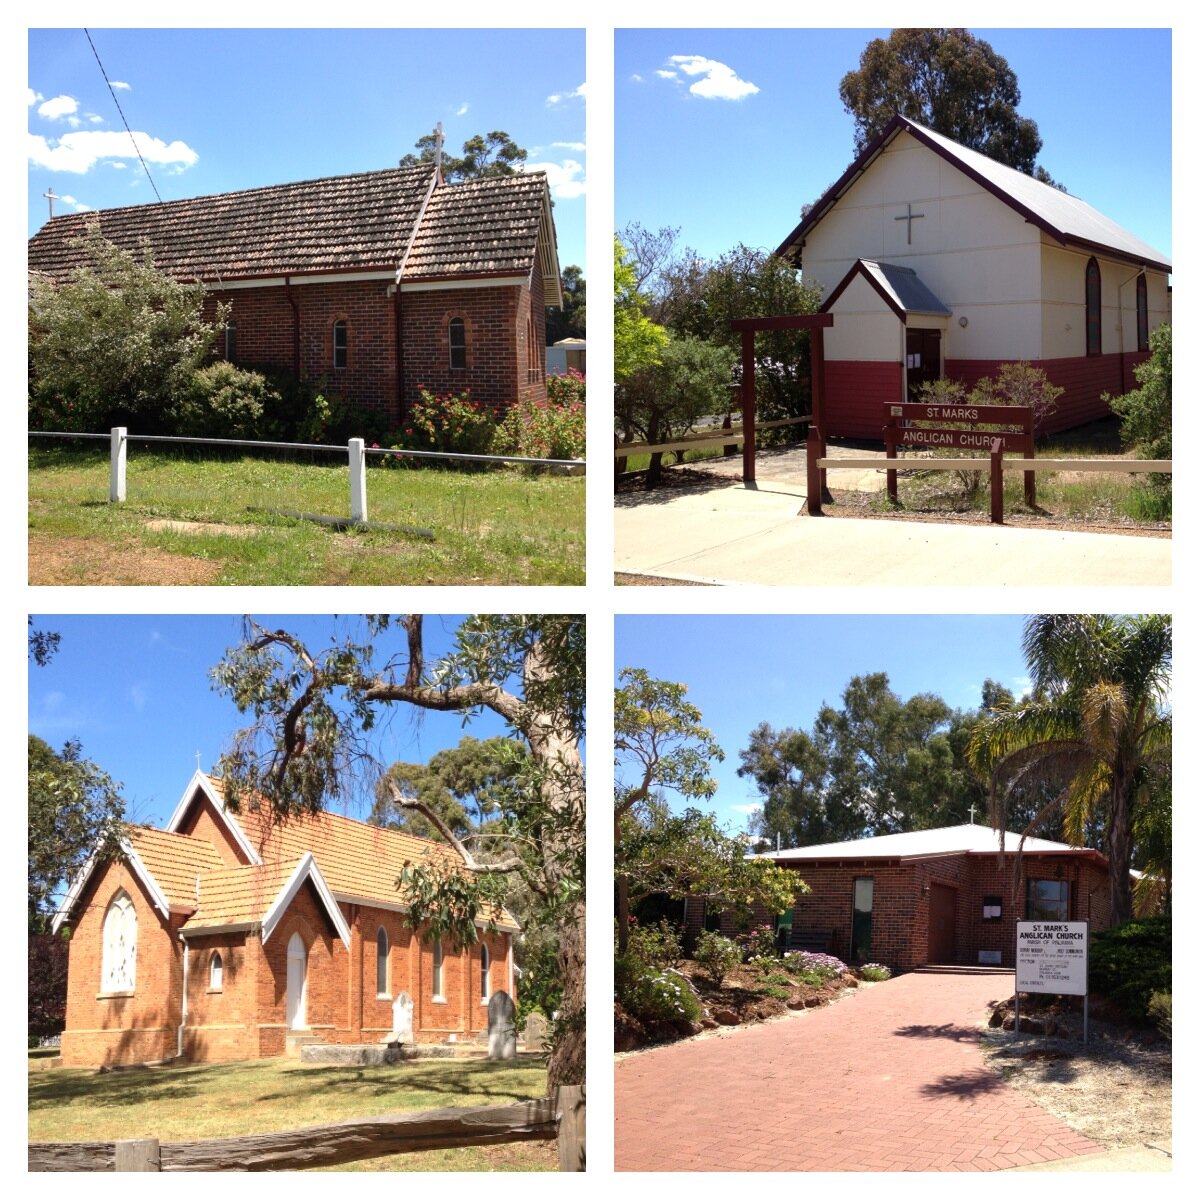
<point x="218" y="1024"/>
<point x="121" y="1029"/>
<point x="201" y="821"/>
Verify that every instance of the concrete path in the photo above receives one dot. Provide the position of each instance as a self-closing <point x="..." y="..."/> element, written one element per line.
<point x="738" y="535"/>
<point x="889" y="1079"/>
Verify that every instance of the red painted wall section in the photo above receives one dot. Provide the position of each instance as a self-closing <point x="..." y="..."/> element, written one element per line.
<point x="855" y="393"/>
<point x="1086" y="380"/>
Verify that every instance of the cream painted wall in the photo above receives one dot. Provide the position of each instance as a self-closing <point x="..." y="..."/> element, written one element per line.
<point x="864" y="328"/>
<point x="981" y="259"/>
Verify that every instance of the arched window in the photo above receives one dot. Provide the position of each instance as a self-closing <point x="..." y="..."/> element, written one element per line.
<point x="230" y="341"/>
<point x="1092" y="301"/>
<point x="341" y="344"/>
<point x="458" y="344"/>
<point x="381" y="962"/>
<point x="216" y="972"/>
<point x="1143" y="314"/>
<point x="485" y="964"/>
<point x="438" y="970"/>
<point x="118" y="958"/>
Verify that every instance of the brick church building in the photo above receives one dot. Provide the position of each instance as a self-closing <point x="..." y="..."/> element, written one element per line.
<point x="376" y="284"/>
<point x="226" y="936"/>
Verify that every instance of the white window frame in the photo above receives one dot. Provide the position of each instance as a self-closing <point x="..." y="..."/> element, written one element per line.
<point x="485" y="973"/>
<point x="383" y="965"/>
<point x="439" y="972"/>
<point x="118" y="955"/>
<point x="216" y="972"/>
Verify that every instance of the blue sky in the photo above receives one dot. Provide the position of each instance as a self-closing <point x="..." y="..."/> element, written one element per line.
<point x="749" y="126"/>
<point x="219" y="110"/>
<point x="741" y="670"/>
<point x="135" y="691"/>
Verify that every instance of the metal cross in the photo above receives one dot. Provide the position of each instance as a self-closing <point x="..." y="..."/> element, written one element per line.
<point x="910" y="217"/>
<point x="49" y="195"/>
<point x="972" y="814"/>
<point x="197" y="760"/>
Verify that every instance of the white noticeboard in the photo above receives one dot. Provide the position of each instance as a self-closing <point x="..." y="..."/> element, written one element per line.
<point x="1052" y="957"/>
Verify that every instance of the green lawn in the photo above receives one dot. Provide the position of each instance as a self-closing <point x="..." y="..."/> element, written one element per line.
<point x="501" y="526"/>
<point x="191" y="1103"/>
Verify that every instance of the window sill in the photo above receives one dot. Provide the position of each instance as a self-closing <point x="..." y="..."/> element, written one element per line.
<point x="382" y="996"/>
<point x="440" y="1000"/>
<point x="114" y="995"/>
<point x="213" y="991"/>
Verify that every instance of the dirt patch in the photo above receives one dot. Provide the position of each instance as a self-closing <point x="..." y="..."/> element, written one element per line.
<point x="1116" y="1089"/>
<point x="54" y="561"/>
<point x="198" y="527"/>
<point x="622" y="578"/>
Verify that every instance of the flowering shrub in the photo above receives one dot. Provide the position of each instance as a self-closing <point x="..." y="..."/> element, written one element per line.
<point x="717" y="955"/>
<point x="815" y="967"/>
<point x="543" y="429"/>
<point x="759" y="944"/>
<point x="652" y="995"/>
<point x="875" y="972"/>
<point x="657" y="945"/>
<point x="448" y="423"/>
<point x="570" y="388"/>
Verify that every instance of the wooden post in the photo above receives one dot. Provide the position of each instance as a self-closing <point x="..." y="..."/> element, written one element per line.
<point x="889" y="441"/>
<point x="997" y="481"/>
<point x="812" y="452"/>
<point x="816" y="348"/>
<point x="118" y="444"/>
<point x="1030" y="476"/>
<point x="571" y="1111"/>
<point x="138" y="1154"/>
<point x="358" y="480"/>
<point x="748" y="406"/>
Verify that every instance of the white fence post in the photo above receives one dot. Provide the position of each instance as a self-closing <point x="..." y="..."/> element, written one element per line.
<point x="117" y="446"/>
<point x="358" y="480"/>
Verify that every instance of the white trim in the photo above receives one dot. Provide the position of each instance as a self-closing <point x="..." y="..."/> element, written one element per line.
<point x="204" y="930"/>
<point x="306" y="868"/>
<point x="157" y="896"/>
<point x="233" y="285"/>
<point x="448" y="285"/>
<point x="202" y="781"/>
<point x="412" y="237"/>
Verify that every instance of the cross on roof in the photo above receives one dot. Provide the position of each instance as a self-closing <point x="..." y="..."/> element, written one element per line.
<point x="49" y="195"/>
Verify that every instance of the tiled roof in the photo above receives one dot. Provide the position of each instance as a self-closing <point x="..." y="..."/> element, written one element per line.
<point x="342" y="223"/>
<point x="174" y="861"/>
<point x="239" y="895"/>
<point x="484" y="226"/>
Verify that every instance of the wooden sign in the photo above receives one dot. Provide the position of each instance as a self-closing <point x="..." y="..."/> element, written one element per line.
<point x="960" y="439"/>
<point x="967" y="414"/>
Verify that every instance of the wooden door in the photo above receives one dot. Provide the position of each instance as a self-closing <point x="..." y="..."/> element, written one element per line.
<point x="923" y="350"/>
<point x="943" y="904"/>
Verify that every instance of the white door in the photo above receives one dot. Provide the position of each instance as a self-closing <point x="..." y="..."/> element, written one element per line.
<point x="297" y="983"/>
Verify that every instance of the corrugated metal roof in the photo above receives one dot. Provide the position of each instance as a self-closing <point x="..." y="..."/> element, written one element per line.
<point x="905" y="287"/>
<point x="970" y="839"/>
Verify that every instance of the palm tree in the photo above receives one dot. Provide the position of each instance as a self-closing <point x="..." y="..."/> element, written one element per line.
<point x="1097" y="728"/>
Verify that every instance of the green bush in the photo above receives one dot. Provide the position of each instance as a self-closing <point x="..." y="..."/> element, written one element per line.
<point x="1132" y="962"/>
<point x="224" y="401"/>
<point x="759" y="943"/>
<point x="1160" y="1012"/>
<point x="717" y="955"/>
<point x="650" y="994"/>
<point x="658" y="945"/>
<point x="570" y="388"/>
<point x="450" y="424"/>
<point x="543" y="429"/>
<point x="875" y="972"/>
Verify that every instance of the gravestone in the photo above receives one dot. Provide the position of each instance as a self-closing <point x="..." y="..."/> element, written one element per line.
<point x="402" y="1019"/>
<point x="502" y="1027"/>
<point x="535" y="1032"/>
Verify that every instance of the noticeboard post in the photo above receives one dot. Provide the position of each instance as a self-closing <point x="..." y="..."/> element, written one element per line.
<point x="1052" y="957"/>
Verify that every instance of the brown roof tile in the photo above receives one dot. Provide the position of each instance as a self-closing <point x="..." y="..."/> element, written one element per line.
<point x="174" y="861"/>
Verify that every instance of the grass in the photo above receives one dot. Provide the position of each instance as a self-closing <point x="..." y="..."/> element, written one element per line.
<point x="192" y="1103"/>
<point x="495" y="527"/>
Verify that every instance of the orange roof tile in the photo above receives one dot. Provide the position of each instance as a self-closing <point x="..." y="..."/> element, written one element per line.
<point x="174" y="861"/>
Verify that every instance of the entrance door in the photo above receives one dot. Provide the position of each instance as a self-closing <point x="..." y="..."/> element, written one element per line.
<point x="923" y="350"/>
<point x="297" y="984"/>
<point x="860" y="933"/>
<point x="942" y="908"/>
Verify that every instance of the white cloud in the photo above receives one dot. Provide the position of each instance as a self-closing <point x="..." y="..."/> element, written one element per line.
<point x="95" y="118"/>
<point x="58" y="107"/>
<point x="716" y="82"/>
<point x="123" y="87"/>
<point x="462" y="109"/>
<point x="579" y="93"/>
<point x="117" y="166"/>
<point x="566" y="179"/>
<point x="79" y="152"/>
<point x="745" y="810"/>
<point x="635" y="78"/>
<point x="34" y="97"/>
<point x="1022" y="686"/>
<point x="77" y="205"/>
<point x="667" y="74"/>
<point x="578" y="147"/>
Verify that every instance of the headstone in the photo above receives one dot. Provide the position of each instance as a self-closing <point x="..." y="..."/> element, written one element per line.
<point x="502" y="1027"/>
<point x="402" y="1019"/>
<point x="535" y="1032"/>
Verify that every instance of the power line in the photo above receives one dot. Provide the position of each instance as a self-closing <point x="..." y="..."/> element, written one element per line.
<point x="112" y="92"/>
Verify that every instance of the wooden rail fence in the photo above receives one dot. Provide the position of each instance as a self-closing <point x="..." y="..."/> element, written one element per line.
<point x="695" y="441"/>
<point x="561" y="1116"/>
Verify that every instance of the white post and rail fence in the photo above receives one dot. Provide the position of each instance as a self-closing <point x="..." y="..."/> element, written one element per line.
<point x="560" y="1116"/>
<point x="356" y="451"/>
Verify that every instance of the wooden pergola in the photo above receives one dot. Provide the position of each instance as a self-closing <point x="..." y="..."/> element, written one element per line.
<point x="816" y="323"/>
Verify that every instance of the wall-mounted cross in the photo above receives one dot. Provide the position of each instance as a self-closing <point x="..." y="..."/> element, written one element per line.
<point x="910" y="217"/>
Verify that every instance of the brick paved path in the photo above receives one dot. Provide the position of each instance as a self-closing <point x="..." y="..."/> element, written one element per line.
<point x="888" y="1079"/>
